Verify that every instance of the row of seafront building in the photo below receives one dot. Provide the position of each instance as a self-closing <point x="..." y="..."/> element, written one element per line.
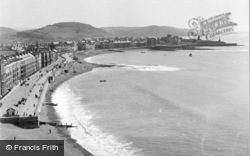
<point x="18" y="67"/>
<point x="116" y="43"/>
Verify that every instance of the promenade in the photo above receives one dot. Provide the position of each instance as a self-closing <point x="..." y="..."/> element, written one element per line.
<point x="33" y="90"/>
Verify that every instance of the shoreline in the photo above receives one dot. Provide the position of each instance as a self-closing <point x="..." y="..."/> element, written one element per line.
<point x="48" y="113"/>
<point x="80" y="67"/>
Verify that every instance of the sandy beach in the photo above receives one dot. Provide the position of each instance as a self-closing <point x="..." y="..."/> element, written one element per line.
<point x="48" y="114"/>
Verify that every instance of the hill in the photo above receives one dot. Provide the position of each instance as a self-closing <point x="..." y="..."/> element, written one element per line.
<point x="65" y="30"/>
<point x="6" y="30"/>
<point x="149" y="31"/>
<point x="76" y="30"/>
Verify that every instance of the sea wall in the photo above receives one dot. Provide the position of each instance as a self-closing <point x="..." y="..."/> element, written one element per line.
<point x="13" y="120"/>
<point x="23" y="122"/>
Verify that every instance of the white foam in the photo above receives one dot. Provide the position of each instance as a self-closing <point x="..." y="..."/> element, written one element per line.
<point x="149" y="67"/>
<point x="138" y="67"/>
<point x="88" y="135"/>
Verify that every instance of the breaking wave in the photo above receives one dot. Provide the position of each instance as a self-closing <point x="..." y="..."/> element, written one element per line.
<point x="149" y="67"/>
<point x="89" y="136"/>
<point x="137" y="67"/>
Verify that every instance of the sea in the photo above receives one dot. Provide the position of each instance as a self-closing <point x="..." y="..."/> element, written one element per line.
<point x="162" y="103"/>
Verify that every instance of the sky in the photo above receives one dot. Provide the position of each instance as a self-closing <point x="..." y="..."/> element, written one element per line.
<point x="103" y="13"/>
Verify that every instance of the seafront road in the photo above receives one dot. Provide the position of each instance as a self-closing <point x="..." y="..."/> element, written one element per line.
<point x="33" y="90"/>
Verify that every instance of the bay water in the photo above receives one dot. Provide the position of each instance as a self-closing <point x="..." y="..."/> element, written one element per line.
<point x="159" y="103"/>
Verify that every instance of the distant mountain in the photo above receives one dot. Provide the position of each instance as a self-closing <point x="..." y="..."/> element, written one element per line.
<point x="65" y="30"/>
<point x="76" y="30"/>
<point x="6" y="30"/>
<point x="149" y="31"/>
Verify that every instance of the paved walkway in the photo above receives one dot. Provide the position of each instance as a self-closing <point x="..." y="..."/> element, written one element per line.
<point x="34" y="90"/>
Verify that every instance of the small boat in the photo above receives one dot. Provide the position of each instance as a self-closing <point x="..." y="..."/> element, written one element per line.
<point x="190" y="55"/>
<point x="102" y="80"/>
<point x="50" y="104"/>
<point x="143" y="52"/>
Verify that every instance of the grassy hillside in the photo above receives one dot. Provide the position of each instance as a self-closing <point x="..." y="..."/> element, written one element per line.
<point x="6" y="30"/>
<point x="65" y="30"/>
